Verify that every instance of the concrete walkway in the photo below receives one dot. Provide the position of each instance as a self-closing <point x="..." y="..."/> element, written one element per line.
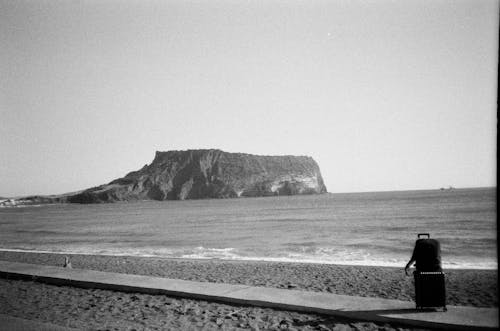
<point x="356" y="308"/>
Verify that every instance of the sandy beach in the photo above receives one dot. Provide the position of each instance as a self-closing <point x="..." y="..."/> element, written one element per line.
<point x="103" y="310"/>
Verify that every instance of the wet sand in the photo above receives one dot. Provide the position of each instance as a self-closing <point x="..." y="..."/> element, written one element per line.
<point x="101" y="310"/>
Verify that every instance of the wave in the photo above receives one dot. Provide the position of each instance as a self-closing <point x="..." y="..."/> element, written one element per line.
<point x="323" y="256"/>
<point x="211" y="253"/>
<point x="18" y="206"/>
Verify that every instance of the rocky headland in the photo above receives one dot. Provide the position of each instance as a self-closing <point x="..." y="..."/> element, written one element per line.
<point x="201" y="174"/>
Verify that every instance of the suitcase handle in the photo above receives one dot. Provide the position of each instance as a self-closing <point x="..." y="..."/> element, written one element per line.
<point x="423" y="234"/>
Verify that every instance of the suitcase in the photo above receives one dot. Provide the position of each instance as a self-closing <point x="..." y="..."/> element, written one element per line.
<point x="430" y="291"/>
<point x="427" y="253"/>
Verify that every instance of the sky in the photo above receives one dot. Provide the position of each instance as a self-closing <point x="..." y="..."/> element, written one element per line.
<point x="384" y="95"/>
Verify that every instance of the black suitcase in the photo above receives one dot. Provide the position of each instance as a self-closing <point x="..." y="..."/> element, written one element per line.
<point x="430" y="290"/>
<point x="427" y="253"/>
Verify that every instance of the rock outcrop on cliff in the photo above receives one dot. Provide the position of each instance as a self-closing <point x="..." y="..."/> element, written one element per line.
<point x="199" y="174"/>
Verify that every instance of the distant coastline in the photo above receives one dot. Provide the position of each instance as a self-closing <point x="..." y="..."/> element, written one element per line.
<point x="43" y="200"/>
<point x="23" y="196"/>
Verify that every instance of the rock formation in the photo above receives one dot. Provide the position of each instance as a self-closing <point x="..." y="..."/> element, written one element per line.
<point x="199" y="174"/>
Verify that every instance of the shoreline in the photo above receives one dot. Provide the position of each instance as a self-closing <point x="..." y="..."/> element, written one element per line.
<point x="465" y="287"/>
<point x="95" y="309"/>
<point x="242" y="260"/>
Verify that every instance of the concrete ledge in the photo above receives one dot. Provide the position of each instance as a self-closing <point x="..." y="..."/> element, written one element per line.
<point x="356" y="308"/>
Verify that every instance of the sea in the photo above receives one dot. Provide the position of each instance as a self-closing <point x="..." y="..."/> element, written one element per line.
<point x="375" y="229"/>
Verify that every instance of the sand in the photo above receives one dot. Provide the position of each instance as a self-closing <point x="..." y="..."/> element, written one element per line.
<point x="102" y="310"/>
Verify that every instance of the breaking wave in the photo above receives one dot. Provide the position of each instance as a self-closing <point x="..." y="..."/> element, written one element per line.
<point x="323" y="256"/>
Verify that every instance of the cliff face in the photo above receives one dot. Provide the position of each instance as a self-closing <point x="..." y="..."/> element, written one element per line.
<point x="198" y="174"/>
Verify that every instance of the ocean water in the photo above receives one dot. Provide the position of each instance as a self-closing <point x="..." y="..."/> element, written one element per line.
<point x="353" y="228"/>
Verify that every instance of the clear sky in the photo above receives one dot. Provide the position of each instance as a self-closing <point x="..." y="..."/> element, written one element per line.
<point x="384" y="95"/>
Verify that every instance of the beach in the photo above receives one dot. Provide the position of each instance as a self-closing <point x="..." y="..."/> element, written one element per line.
<point x="101" y="310"/>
